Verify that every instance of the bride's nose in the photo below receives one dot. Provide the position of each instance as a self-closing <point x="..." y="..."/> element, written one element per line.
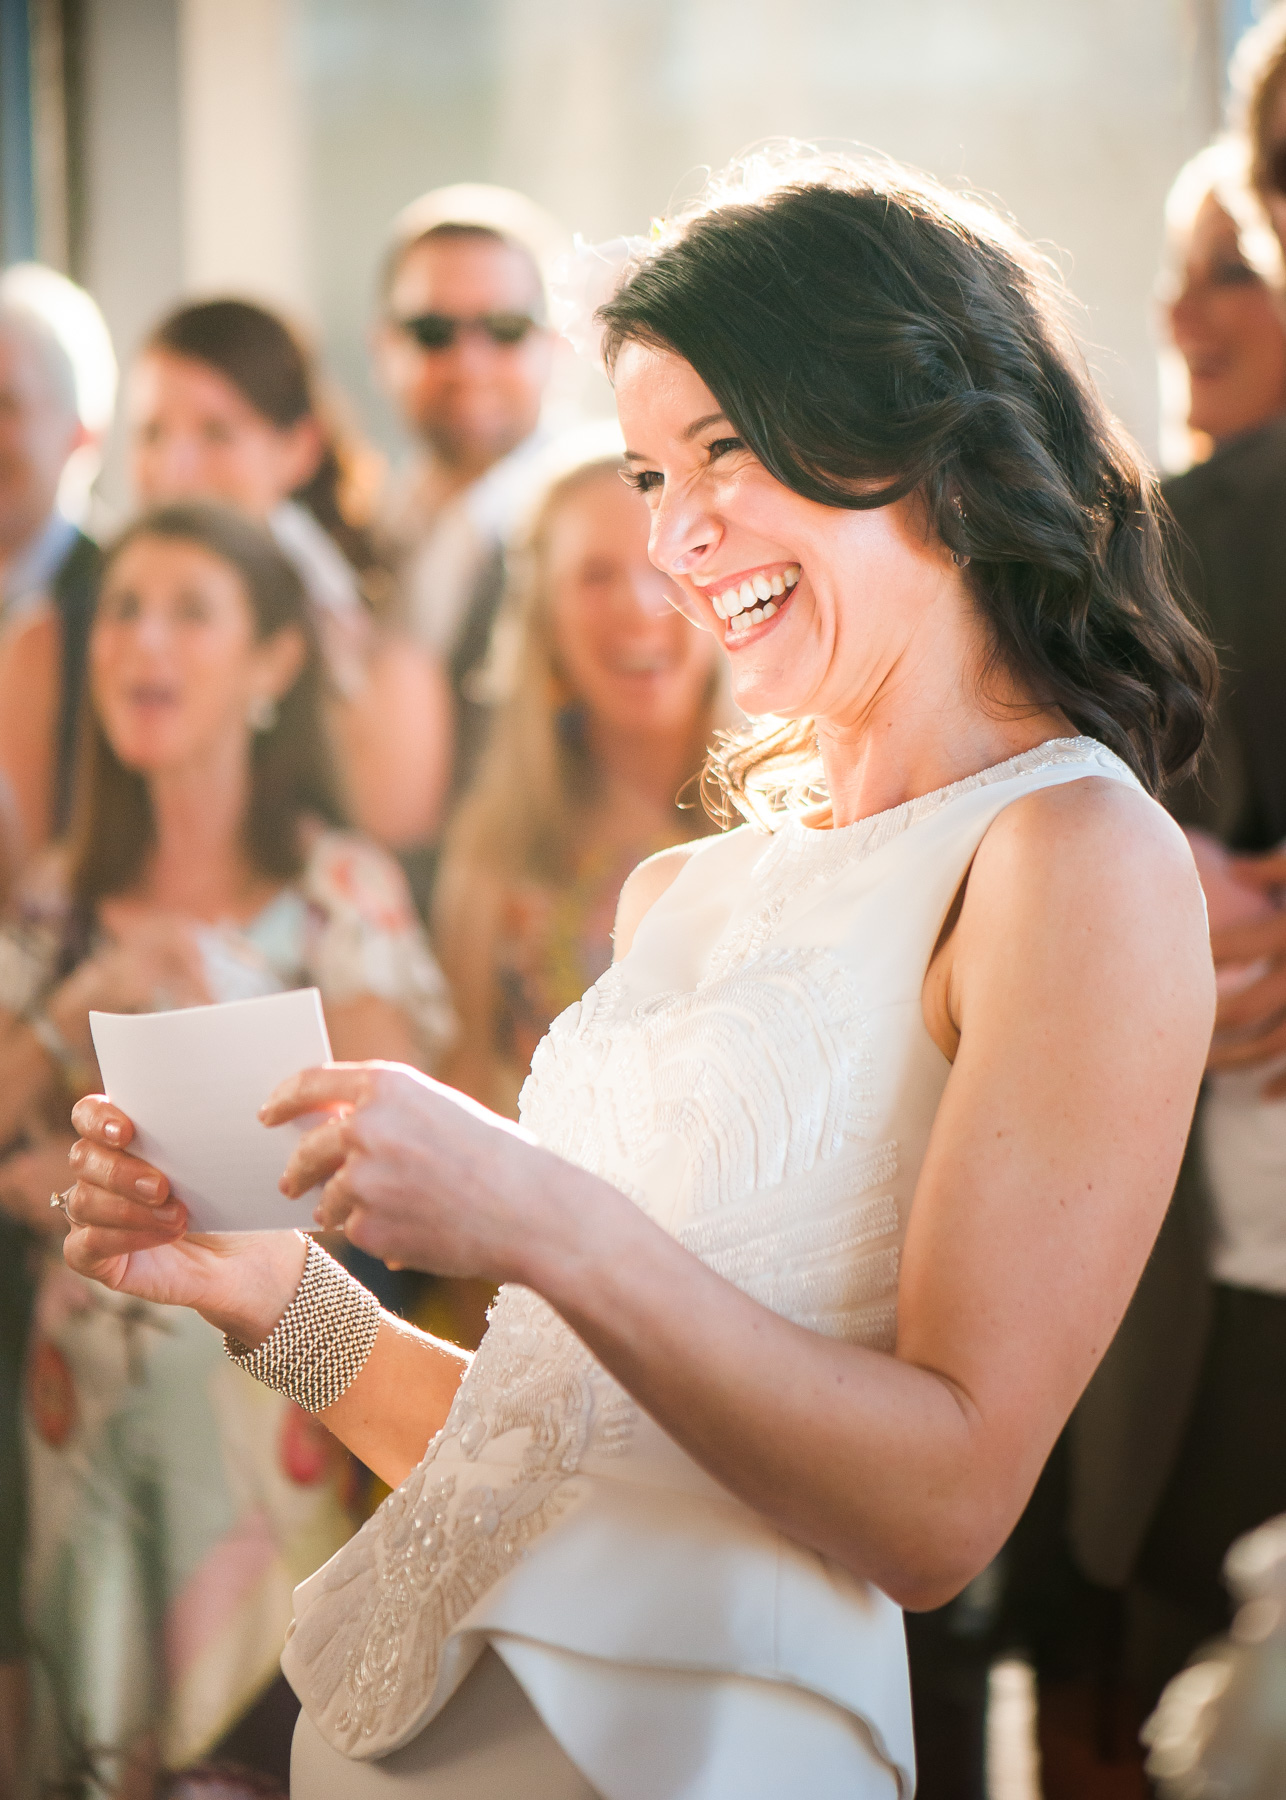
<point x="685" y="530"/>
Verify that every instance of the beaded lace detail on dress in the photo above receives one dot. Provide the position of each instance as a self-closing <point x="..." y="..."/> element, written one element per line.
<point x="372" y="1640"/>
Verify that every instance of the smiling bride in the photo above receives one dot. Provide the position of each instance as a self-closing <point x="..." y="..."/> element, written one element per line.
<point x="829" y="1195"/>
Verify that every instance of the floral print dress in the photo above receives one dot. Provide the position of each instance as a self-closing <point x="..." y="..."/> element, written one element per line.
<point x="175" y="1503"/>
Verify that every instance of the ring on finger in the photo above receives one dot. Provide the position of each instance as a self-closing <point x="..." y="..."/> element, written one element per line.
<point x="59" y="1201"/>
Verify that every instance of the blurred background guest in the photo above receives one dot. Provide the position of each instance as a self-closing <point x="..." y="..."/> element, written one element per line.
<point x="1258" y="81"/>
<point x="591" y="766"/>
<point x="57" y="390"/>
<point x="174" y="1504"/>
<point x="1180" y="1443"/>
<point x="57" y="395"/>
<point x="224" y="404"/>
<point x="1221" y="290"/>
<point x="464" y="351"/>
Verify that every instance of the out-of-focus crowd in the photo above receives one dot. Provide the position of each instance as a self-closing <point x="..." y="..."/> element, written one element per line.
<point x="288" y="724"/>
<point x="296" y="723"/>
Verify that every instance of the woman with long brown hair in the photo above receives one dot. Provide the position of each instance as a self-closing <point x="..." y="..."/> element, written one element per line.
<point x="171" y="1512"/>
<point x="226" y="402"/>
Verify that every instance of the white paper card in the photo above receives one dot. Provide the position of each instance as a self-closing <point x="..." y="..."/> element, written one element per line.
<point x="193" y="1082"/>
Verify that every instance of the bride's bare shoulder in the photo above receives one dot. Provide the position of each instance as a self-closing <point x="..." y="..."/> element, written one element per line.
<point x="1088" y="854"/>
<point x="1081" y="895"/>
<point x="1072" y="820"/>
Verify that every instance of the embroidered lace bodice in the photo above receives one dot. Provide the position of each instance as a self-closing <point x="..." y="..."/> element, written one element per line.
<point x="756" y="1075"/>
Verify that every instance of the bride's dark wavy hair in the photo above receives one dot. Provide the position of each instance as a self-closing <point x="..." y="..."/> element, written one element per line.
<point x="871" y="335"/>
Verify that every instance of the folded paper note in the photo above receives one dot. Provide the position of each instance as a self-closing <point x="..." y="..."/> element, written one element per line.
<point x="193" y="1083"/>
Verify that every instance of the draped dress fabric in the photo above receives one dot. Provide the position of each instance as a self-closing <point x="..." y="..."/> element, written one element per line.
<point x="756" y="1074"/>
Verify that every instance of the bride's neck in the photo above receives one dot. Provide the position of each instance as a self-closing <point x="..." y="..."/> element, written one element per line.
<point x="929" y="723"/>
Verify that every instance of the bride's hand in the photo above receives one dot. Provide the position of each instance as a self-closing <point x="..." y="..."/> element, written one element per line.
<point x="130" y="1234"/>
<point x="422" y="1176"/>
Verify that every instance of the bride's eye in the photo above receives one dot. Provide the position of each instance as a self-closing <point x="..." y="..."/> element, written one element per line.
<point x="643" y="481"/>
<point x="724" y="446"/>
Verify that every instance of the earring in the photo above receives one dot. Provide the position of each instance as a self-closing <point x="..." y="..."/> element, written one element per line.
<point x="958" y="557"/>
<point x="261" y="714"/>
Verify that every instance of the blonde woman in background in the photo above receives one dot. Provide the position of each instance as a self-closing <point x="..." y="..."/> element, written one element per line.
<point x="1223" y="362"/>
<point x="591" y="768"/>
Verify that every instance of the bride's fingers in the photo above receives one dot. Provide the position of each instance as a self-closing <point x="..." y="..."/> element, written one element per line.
<point x="315" y="1158"/>
<point x="95" y="1117"/>
<point x="314" y="1090"/>
<point x="88" y="1249"/>
<point x="339" y="1198"/>
<point x="120" y="1173"/>
<point x="91" y="1206"/>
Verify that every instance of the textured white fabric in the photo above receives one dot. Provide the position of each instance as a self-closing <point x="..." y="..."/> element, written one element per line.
<point x="757" y="1075"/>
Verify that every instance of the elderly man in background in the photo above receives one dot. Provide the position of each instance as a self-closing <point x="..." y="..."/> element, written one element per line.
<point x="464" y="351"/>
<point x="57" y="393"/>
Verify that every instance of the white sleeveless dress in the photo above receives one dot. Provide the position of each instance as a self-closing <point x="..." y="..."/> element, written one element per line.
<point x="756" y="1074"/>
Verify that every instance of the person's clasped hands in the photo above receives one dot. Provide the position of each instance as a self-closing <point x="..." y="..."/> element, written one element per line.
<point x="143" y="964"/>
<point x="1250" y="1022"/>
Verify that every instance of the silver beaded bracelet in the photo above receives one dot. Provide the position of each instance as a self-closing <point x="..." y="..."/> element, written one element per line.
<point x="321" y="1342"/>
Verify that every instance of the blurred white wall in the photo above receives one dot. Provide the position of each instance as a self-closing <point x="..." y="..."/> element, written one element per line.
<point x="1074" y="114"/>
<point x="242" y="150"/>
<point x="194" y="152"/>
<point x="262" y="145"/>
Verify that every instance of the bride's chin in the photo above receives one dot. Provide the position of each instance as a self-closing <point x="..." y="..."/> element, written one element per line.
<point x="759" y="699"/>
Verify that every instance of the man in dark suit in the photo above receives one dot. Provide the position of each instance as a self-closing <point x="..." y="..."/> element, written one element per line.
<point x="1179" y="1445"/>
<point x="1180" y="1442"/>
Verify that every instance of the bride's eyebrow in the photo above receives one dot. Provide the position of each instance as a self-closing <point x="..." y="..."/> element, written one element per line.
<point x="687" y="434"/>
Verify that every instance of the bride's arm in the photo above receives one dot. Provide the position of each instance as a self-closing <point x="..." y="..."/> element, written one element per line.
<point x="129" y="1234"/>
<point x="1079" y="984"/>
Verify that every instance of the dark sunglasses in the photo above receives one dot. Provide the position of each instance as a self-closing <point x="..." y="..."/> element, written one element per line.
<point x="438" y="331"/>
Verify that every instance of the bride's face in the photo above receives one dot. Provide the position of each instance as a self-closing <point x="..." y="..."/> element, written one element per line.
<point x="817" y="606"/>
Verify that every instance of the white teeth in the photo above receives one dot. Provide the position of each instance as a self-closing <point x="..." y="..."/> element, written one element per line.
<point x="747" y="594"/>
<point x="718" y="606"/>
<point x="756" y="615"/>
<point x="791" y="575"/>
<point x="761" y="587"/>
<point x="731" y="603"/>
<point x="777" y="585"/>
<point x="770" y="611"/>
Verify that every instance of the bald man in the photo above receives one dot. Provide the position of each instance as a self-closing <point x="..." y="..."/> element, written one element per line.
<point x="48" y="565"/>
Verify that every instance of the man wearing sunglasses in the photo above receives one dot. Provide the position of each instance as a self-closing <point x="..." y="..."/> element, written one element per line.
<point x="463" y="350"/>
